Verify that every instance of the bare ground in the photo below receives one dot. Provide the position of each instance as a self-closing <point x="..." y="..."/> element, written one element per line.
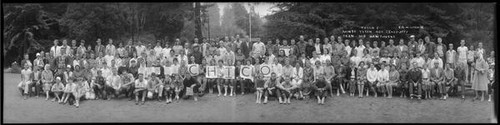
<point x="211" y="108"/>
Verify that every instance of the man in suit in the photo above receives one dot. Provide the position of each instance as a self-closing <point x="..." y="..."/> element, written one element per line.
<point x="99" y="48"/>
<point x="437" y="79"/>
<point x="246" y="46"/>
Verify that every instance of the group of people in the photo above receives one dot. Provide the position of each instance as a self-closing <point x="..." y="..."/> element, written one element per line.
<point x="303" y="69"/>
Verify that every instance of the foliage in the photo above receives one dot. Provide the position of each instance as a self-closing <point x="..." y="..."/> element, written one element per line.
<point x="451" y="21"/>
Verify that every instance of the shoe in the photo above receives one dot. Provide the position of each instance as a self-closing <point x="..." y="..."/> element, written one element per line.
<point x="142" y="103"/>
<point x="218" y="95"/>
<point x="195" y="99"/>
<point x="136" y="103"/>
<point x="231" y="94"/>
<point x="225" y="94"/>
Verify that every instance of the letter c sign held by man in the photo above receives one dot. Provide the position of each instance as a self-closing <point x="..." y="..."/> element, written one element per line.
<point x="246" y="72"/>
<point x="193" y="69"/>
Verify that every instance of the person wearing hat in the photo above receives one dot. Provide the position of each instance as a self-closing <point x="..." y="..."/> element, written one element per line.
<point x="58" y="89"/>
<point x="38" y="62"/>
<point x="26" y="80"/>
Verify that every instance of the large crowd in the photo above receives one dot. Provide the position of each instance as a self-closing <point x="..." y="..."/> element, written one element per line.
<point x="304" y="69"/>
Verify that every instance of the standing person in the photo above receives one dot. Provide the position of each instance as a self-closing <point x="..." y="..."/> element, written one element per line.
<point x="480" y="52"/>
<point x="359" y="49"/>
<point x="26" y="61"/>
<point x="460" y="54"/>
<point x="421" y="47"/>
<point x="99" y="48"/>
<point x="326" y="45"/>
<point x="430" y="46"/>
<point x="246" y="46"/>
<point x="412" y="45"/>
<point x="56" y="49"/>
<point x="402" y="48"/>
<point x="440" y="48"/>
<point x="26" y="81"/>
<point x="294" y="49"/>
<point x="81" y="49"/>
<point x="480" y="83"/>
<point x="415" y="76"/>
<point x="317" y="46"/>
<point x="301" y="45"/>
<point x="37" y="82"/>
<point x="460" y="78"/>
<point x="140" y="89"/>
<point x="348" y="47"/>
<point x="258" y="49"/>
<point x="309" y="49"/>
<point x="375" y="51"/>
<point x="469" y="69"/>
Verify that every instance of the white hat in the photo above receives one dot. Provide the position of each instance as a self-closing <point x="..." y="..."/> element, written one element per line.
<point x="58" y="78"/>
<point x="412" y="36"/>
<point x="69" y="66"/>
<point x="37" y="54"/>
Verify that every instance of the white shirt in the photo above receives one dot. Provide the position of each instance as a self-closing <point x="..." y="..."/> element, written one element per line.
<point x="371" y="75"/>
<point x="420" y="61"/>
<point x="480" y="53"/>
<point x="56" y="50"/>
<point x="317" y="47"/>
<point x="438" y="60"/>
<point x="383" y="75"/>
<point x="359" y="51"/>
<point x="166" y="52"/>
<point x="450" y="56"/>
<point x="348" y="49"/>
<point x="277" y="68"/>
<point x="462" y="53"/>
<point x="259" y="47"/>
<point x="298" y="73"/>
<point x="158" y="50"/>
<point x="140" y="49"/>
<point x="108" y="59"/>
<point x="110" y="49"/>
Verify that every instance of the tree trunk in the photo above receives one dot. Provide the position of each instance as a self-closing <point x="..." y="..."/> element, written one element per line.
<point x="197" y="20"/>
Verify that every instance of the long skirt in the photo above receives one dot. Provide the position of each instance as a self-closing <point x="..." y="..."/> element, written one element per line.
<point x="480" y="81"/>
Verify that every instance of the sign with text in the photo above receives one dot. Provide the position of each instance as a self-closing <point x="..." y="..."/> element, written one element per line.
<point x="265" y="70"/>
<point x="211" y="72"/>
<point x="193" y="69"/>
<point x="246" y="72"/>
<point x="228" y="72"/>
<point x="167" y="71"/>
<point x="376" y="32"/>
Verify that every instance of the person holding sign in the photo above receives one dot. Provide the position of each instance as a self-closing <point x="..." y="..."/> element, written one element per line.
<point x="220" y="76"/>
<point x="229" y="75"/>
<point x="211" y="75"/>
<point x="245" y="75"/>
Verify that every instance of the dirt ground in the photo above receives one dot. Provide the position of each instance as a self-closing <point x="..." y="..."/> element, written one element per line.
<point x="211" y="108"/>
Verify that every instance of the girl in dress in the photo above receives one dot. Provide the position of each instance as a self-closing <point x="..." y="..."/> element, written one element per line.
<point x="178" y="86"/>
<point x="259" y="85"/>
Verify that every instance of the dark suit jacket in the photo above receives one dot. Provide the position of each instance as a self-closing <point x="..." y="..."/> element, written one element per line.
<point x="245" y="49"/>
